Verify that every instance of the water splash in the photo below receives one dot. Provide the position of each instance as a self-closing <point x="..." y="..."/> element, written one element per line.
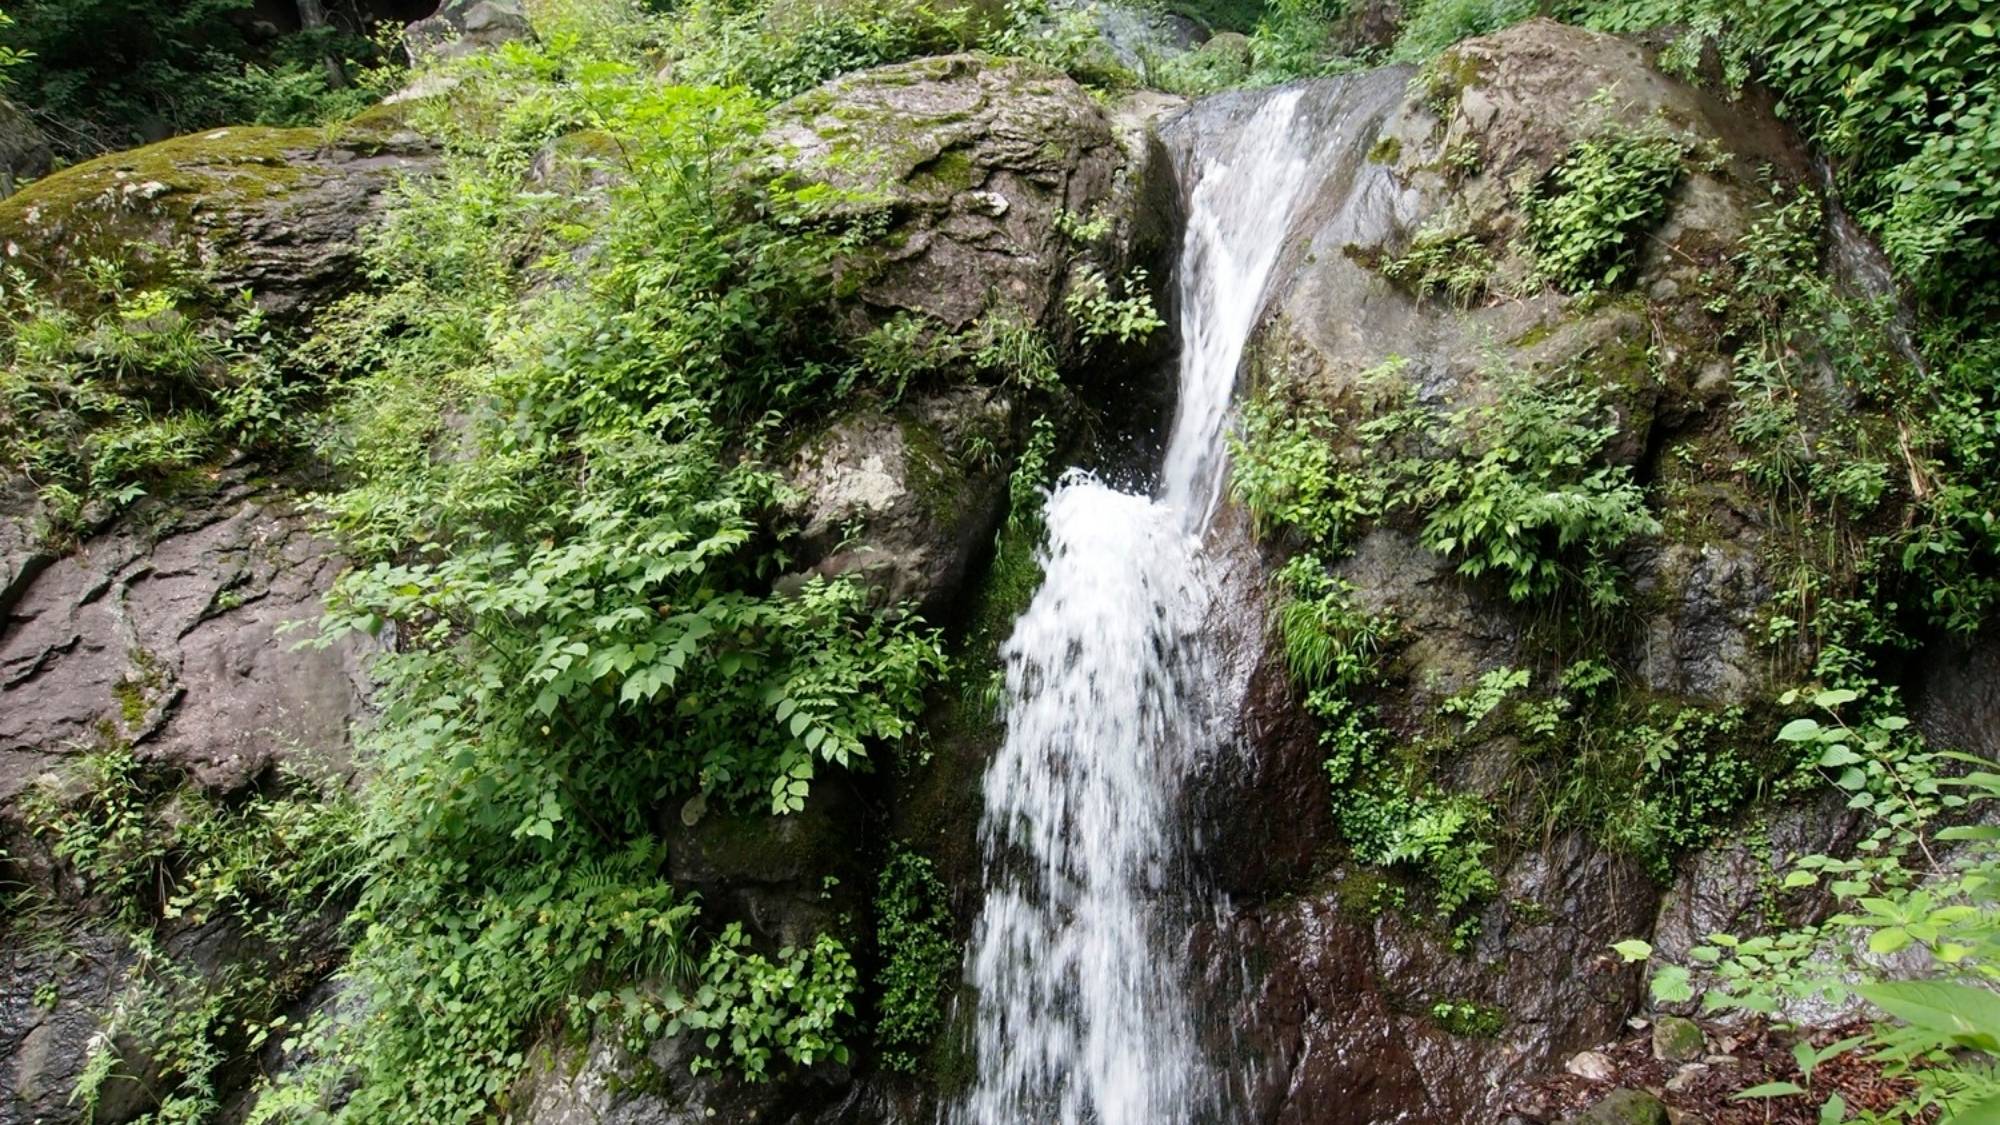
<point x="1079" y="957"/>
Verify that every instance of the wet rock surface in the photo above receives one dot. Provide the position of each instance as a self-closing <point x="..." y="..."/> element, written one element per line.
<point x="971" y="162"/>
<point x="1345" y="994"/>
<point x="169" y="633"/>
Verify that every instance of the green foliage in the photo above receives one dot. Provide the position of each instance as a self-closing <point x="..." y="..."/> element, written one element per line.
<point x="1922" y="878"/>
<point x="1289" y="474"/>
<point x="159" y="856"/>
<point x="97" y="409"/>
<point x="1902" y="94"/>
<point x="1515" y="487"/>
<point x="1587" y="218"/>
<point x="1099" y="315"/>
<point x="1328" y="640"/>
<point x="555" y="424"/>
<point x="1442" y="258"/>
<point x="11" y="57"/>
<point x="746" y="1008"/>
<point x="1468" y="1019"/>
<point x="1907" y="95"/>
<point x="1429" y="26"/>
<point x="782" y="50"/>
<point x="913" y="938"/>
<point x="1529" y="499"/>
<point x="111" y="74"/>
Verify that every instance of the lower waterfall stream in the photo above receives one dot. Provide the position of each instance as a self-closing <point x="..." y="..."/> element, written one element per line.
<point x="1079" y="957"/>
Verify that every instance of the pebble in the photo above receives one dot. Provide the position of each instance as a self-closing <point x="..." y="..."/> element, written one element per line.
<point x="1594" y="1066"/>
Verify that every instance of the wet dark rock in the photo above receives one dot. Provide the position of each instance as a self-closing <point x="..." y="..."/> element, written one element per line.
<point x="163" y="633"/>
<point x="24" y="149"/>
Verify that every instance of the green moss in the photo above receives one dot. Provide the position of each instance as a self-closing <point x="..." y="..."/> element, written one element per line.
<point x="161" y="210"/>
<point x="1444" y="79"/>
<point x="937" y="480"/>
<point x="1386" y="150"/>
<point x="950" y="171"/>
<point x="136" y="691"/>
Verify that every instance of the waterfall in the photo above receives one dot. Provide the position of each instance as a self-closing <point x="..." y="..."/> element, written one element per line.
<point x="1079" y="957"/>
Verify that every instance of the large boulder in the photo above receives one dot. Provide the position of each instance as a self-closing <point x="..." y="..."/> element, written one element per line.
<point x="974" y="177"/>
<point x="976" y="171"/>
<point x="465" y="27"/>
<point x="278" y="212"/>
<point x="1345" y="996"/>
<point x="926" y="481"/>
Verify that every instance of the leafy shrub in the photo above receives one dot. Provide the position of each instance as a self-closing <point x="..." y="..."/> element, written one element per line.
<point x="1099" y="315"/>
<point x="111" y="74"/>
<point x="555" y="426"/>
<point x="1915" y="881"/>
<point x="1429" y="26"/>
<point x="99" y="409"/>
<point x="746" y="1008"/>
<point x="1442" y="258"/>
<point x="1586" y="218"/>
<point x="913" y="935"/>
<point x="779" y="52"/>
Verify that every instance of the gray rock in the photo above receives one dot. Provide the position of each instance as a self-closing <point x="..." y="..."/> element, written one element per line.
<point x="905" y="499"/>
<point x="164" y="632"/>
<point x="1330" y="316"/>
<point x="932" y="149"/>
<point x="1678" y="1040"/>
<point x="465" y="27"/>
<point x="1591" y="1066"/>
<point x="24" y="149"/>
<point x="276" y="211"/>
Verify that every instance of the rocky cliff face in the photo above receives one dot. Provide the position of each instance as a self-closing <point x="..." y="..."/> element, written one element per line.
<point x="1344" y="998"/>
<point x="164" y="631"/>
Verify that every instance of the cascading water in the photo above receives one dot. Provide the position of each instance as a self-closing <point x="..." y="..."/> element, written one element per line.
<point x="1079" y="957"/>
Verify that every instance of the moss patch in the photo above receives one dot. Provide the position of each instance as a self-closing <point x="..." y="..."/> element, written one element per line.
<point x="162" y="209"/>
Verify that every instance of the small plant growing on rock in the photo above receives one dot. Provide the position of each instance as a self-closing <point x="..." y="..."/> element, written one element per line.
<point x="1586" y="217"/>
<point x="1445" y="258"/>
<point x="1124" y="312"/>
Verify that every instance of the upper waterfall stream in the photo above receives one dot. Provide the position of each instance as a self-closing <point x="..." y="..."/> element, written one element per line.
<point x="1079" y="958"/>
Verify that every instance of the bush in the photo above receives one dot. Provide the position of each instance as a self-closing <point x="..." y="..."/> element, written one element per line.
<point x="1586" y="218"/>
<point x="919" y="959"/>
<point x="111" y="74"/>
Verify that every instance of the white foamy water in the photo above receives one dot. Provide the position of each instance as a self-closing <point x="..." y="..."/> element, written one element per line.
<point x="1079" y="957"/>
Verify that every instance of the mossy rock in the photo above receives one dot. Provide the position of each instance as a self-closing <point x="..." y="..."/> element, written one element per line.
<point x="275" y="211"/>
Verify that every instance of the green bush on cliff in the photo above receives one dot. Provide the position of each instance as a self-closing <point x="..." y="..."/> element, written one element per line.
<point x="99" y="408"/>
<point x="556" y="424"/>
<point x="1585" y="218"/>
<point x="918" y="958"/>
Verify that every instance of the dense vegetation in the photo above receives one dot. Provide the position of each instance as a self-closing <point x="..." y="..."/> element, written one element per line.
<point x="107" y="74"/>
<point x="552" y="421"/>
